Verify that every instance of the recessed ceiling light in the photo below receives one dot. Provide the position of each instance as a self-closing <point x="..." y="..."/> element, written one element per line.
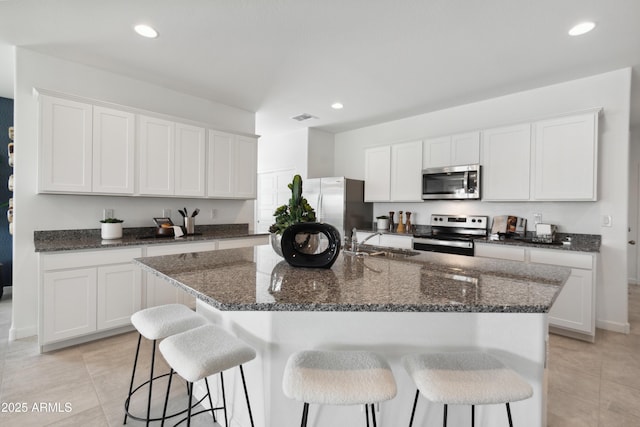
<point x="146" y="31"/>
<point x="337" y="106"/>
<point x="582" y="28"/>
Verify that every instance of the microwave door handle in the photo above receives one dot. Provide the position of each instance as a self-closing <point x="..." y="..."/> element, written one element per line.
<point x="465" y="182"/>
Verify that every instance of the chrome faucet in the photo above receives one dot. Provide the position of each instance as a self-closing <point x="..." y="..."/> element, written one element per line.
<point x="355" y="246"/>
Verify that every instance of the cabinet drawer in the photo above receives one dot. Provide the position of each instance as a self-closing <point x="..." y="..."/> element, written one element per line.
<point x="182" y="248"/>
<point x="554" y="257"/>
<point x="89" y="258"/>
<point x="500" y="252"/>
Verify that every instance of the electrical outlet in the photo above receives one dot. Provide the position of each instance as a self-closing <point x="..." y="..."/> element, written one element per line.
<point x="107" y="213"/>
<point x="213" y="214"/>
<point x="607" y="221"/>
<point x="166" y="213"/>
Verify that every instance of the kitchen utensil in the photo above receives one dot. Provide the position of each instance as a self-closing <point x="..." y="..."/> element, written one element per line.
<point x="196" y="212"/>
<point x="185" y="212"/>
<point x="182" y="213"/>
<point x="189" y="225"/>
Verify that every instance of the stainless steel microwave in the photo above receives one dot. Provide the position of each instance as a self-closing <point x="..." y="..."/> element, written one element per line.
<point x="452" y="182"/>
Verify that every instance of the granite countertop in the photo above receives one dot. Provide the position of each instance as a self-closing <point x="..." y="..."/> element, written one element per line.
<point x="255" y="279"/>
<point x="579" y="242"/>
<point x="71" y="240"/>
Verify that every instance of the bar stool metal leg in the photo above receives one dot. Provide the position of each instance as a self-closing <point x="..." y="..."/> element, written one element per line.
<point x="246" y="395"/>
<point x="153" y="360"/>
<point x="166" y="398"/>
<point x="133" y="374"/>
<point x="213" y="411"/>
<point x="373" y="415"/>
<point x="444" y="418"/>
<point x="305" y="412"/>
<point x="473" y="415"/>
<point x="366" y="412"/>
<point x="509" y="414"/>
<point x="413" y="411"/>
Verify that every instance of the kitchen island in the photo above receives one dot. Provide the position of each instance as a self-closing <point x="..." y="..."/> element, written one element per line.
<point x="396" y="305"/>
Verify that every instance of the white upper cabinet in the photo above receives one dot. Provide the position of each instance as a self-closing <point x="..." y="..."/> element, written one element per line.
<point x="460" y="149"/>
<point x="377" y="174"/>
<point x="565" y="160"/>
<point x="231" y="166"/>
<point x="113" y="151"/>
<point x="92" y="148"/>
<point x="65" y="154"/>
<point x="157" y="156"/>
<point x="190" y="159"/>
<point x="505" y="162"/>
<point x="406" y="172"/>
<point x="172" y="158"/>
<point x="437" y="152"/>
<point x="393" y="173"/>
<point x="221" y="164"/>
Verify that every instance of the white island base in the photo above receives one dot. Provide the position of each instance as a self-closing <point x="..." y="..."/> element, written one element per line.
<point x="518" y="339"/>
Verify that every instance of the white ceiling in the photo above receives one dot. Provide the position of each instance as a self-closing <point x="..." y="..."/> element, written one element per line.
<point x="384" y="59"/>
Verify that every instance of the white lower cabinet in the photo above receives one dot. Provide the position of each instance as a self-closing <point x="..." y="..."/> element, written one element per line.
<point x="573" y="312"/>
<point x="87" y="292"/>
<point x="157" y="290"/>
<point x="69" y="304"/>
<point x="85" y="295"/>
<point x="119" y="295"/>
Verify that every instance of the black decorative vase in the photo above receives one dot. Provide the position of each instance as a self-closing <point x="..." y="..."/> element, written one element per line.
<point x="311" y="244"/>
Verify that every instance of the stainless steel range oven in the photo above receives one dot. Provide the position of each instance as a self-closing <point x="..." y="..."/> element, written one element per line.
<point x="452" y="234"/>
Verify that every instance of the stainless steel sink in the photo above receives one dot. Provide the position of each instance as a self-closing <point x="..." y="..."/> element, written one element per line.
<point x="379" y="251"/>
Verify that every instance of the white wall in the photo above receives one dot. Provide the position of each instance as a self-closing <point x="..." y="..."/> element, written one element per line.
<point x="609" y="90"/>
<point x="320" y="154"/>
<point x="634" y="205"/>
<point x="282" y="152"/>
<point x="46" y="212"/>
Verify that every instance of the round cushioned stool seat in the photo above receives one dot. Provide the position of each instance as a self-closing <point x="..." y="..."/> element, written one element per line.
<point x="160" y="322"/>
<point x="465" y="378"/>
<point x="338" y="377"/>
<point x="204" y="351"/>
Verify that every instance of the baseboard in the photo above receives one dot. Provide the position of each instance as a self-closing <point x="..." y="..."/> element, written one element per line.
<point x="85" y="338"/>
<point x="623" y="328"/>
<point x="19" y="333"/>
<point x="571" y="334"/>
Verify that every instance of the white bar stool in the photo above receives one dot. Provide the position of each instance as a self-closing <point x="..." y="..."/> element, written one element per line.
<point x="465" y="378"/>
<point x="201" y="352"/>
<point x="338" y="378"/>
<point x="157" y="323"/>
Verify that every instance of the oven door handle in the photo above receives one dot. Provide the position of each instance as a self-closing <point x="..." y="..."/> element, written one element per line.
<point x="438" y="242"/>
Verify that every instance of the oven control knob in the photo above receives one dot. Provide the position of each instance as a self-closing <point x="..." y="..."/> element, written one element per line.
<point x="473" y="220"/>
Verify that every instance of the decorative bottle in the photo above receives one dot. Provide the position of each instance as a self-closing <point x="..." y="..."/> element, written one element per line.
<point x="400" y="228"/>
<point x="407" y="225"/>
<point x="391" y="222"/>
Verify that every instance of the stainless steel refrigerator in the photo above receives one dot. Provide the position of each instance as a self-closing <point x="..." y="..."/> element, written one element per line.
<point x="339" y="201"/>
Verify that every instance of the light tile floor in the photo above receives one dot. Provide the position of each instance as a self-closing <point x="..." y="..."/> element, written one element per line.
<point x="590" y="385"/>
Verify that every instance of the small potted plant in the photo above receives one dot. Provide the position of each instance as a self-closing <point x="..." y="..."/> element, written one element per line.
<point x="382" y="222"/>
<point x="111" y="228"/>
<point x="298" y="210"/>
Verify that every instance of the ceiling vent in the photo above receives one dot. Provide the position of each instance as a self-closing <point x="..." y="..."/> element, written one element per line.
<point x="304" y="116"/>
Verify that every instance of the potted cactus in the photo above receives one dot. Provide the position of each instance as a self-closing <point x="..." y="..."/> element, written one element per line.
<point x="111" y="228"/>
<point x="297" y="210"/>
